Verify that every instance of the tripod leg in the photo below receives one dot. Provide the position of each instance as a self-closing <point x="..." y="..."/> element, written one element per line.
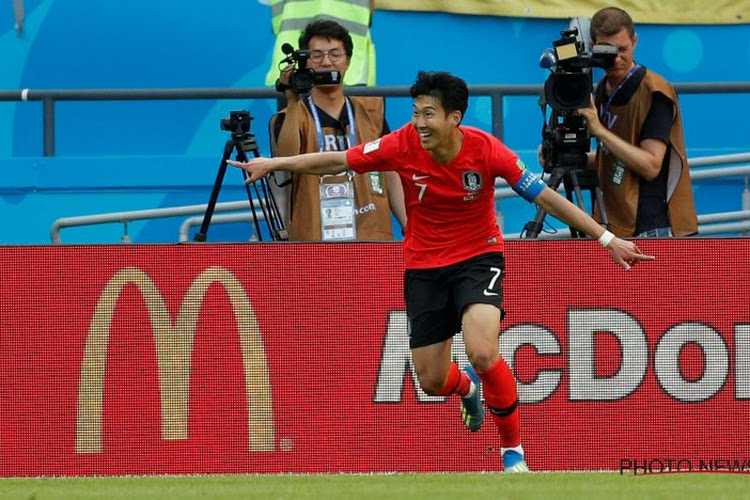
<point x="264" y="200"/>
<point x="241" y="156"/>
<point x="577" y="189"/>
<point x="573" y="185"/>
<point x="201" y="234"/>
<point x="275" y="224"/>
<point x="269" y="207"/>
<point x="589" y="180"/>
<point x="532" y="228"/>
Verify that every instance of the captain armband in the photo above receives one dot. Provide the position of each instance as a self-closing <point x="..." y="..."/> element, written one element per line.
<point x="529" y="186"/>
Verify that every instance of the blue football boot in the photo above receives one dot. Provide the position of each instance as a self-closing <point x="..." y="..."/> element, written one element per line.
<point x="472" y="409"/>
<point x="513" y="462"/>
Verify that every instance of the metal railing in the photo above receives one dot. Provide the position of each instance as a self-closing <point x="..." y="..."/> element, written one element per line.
<point x="496" y="93"/>
<point x="718" y="223"/>
<point x="135" y="215"/>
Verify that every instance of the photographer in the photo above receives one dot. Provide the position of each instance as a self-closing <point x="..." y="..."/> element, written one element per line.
<point x="347" y="206"/>
<point x="289" y="16"/>
<point x="640" y="161"/>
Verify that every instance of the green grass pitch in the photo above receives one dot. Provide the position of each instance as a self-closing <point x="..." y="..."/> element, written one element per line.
<point x="600" y="485"/>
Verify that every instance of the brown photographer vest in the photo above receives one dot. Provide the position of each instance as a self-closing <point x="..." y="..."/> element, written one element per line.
<point x="373" y="214"/>
<point x="620" y="188"/>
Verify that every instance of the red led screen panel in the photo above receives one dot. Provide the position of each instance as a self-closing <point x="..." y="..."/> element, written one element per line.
<point x="294" y="358"/>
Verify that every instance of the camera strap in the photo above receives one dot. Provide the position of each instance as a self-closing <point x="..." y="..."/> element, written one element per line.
<point x="605" y="110"/>
<point x="351" y="138"/>
<point x="618" y="172"/>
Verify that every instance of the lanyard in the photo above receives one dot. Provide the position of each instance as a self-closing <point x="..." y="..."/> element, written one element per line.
<point x="605" y="109"/>
<point x="351" y="137"/>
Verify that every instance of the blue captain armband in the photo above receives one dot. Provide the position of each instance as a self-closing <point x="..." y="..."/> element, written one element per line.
<point x="529" y="186"/>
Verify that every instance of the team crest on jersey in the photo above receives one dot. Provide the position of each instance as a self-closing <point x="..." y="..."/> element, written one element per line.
<point x="371" y="146"/>
<point x="472" y="181"/>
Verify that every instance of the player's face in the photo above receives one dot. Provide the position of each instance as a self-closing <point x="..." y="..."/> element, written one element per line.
<point x="625" y="52"/>
<point x="434" y="126"/>
<point x="327" y="54"/>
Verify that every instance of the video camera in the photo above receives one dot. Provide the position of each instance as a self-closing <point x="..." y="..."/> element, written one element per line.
<point x="570" y="84"/>
<point x="303" y="78"/>
<point x="237" y="123"/>
<point x="565" y="139"/>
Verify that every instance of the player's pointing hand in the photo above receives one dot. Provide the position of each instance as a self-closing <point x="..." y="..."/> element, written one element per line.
<point x="626" y="253"/>
<point x="256" y="167"/>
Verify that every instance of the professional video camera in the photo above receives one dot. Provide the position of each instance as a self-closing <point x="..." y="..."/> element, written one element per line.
<point x="565" y="139"/>
<point x="303" y="78"/>
<point x="570" y="84"/>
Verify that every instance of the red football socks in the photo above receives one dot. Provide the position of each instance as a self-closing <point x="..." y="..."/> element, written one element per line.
<point x="457" y="382"/>
<point x="501" y="396"/>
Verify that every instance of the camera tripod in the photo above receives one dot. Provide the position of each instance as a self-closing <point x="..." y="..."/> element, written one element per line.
<point x="242" y="141"/>
<point x="575" y="180"/>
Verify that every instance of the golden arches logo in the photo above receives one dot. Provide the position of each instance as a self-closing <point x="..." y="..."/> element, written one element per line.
<point x="174" y="347"/>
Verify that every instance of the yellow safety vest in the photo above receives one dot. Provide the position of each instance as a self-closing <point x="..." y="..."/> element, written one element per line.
<point x="289" y="18"/>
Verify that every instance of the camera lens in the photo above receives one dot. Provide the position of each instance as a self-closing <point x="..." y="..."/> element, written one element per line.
<point x="302" y="81"/>
<point x="568" y="91"/>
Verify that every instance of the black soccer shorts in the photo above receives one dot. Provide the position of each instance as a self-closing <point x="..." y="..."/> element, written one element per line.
<point x="436" y="298"/>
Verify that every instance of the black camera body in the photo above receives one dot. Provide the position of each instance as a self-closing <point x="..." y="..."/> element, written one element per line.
<point x="303" y="79"/>
<point x="237" y="123"/>
<point x="565" y="139"/>
<point x="566" y="143"/>
<point x="570" y="84"/>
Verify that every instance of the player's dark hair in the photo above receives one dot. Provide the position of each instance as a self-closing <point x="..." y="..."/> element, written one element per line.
<point x="609" y="21"/>
<point x="327" y="29"/>
<point x="449" y="90"/>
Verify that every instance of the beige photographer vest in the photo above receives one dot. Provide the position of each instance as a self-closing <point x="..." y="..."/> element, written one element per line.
<point x="373" y="218"/>
<point x="620" y="189"/>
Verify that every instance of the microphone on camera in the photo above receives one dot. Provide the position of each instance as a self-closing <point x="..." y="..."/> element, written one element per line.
<point x="287" y="48"/>
<point x="548" y="59"/>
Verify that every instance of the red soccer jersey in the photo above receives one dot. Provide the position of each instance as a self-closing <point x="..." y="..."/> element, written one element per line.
<point x="450" y="207"/>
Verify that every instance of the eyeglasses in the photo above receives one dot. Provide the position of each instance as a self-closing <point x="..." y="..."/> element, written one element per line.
<point x="334" y="55"/>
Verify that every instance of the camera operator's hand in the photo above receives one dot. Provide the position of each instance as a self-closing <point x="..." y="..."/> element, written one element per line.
<point x="283" y="82"/>
<point x="644" y="158"/>
<point x="591" y="116"/>
<point x="286" y="72"/>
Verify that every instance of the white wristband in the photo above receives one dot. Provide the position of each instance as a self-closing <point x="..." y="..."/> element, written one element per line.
<point x="606" y="238"/>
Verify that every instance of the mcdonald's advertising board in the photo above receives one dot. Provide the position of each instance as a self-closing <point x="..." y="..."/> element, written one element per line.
<point x="245" y="358"/>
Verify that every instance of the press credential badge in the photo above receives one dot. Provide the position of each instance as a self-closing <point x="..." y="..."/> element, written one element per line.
<point x="337" y="214"/>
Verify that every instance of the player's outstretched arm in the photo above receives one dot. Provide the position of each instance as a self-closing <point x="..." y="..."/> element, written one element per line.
<point x="330" y="162"/>
<point x="624" y="252"/>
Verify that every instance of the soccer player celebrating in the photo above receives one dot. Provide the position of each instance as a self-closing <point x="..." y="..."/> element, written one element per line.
<point x="452" y="244"/>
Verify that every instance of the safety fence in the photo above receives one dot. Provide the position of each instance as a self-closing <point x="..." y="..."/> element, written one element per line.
<point x="266" y="358"/>
<point x="735" y="222"/>
<point x="496" y="93"/>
